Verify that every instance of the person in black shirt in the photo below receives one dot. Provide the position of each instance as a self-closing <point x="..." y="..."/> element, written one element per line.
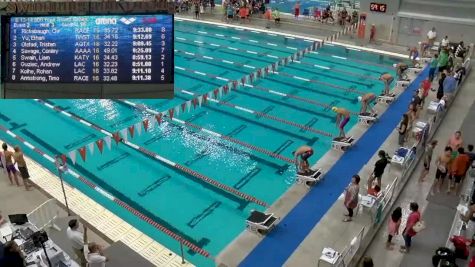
<point x="12" y="256"/>
<point x="440" y="91"/>
<point x="379" y="167"/>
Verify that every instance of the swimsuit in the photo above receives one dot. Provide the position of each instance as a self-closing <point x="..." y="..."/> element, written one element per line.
<point x="11" y="169"/>
<point x="307" y="155"/>
<point x="344" y="122"/>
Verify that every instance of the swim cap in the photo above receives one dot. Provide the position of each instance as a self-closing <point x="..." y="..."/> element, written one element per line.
<point x="394" y="65"/>
<point x="334" y="109"/>
<point x="360" y="98"/>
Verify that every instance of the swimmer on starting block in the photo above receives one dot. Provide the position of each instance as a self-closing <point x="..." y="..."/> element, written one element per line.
<point x="343" y="116"/>
<point x="304" y="152"/>
<point x="414" y="55"/>
<point x="400" y="69"/>
<point x="367" y="102"/>
<point x="387" y="79"/>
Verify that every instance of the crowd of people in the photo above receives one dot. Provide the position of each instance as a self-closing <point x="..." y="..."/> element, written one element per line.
<point x="13" y="164"/>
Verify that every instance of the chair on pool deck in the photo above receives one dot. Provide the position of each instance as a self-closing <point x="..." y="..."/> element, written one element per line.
<point x="260" y="222"/>
<point x="310" y="179"/>
<point x="367" y="118"/>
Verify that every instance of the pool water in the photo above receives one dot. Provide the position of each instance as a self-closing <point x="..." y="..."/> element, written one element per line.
<point x="202" y="214"/>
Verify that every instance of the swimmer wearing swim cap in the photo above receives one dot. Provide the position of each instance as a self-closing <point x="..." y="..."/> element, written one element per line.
<point x="304" y="152"/>
<point x="387" y="79"/>
<point x="367" y="102"/>
<point x="343" y="116"/>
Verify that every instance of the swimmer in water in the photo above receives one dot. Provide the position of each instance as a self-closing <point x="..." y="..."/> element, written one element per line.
<point x="367" y="102"/>
<point x="343" y="116"/>
<point x="304" y="152"/>
<point x="387" y="79"/>
<point x="400" y="68"/>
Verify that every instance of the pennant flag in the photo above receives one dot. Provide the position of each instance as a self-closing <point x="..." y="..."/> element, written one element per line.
<point x="116" y="137"/>
<point x="216" y="92"/>
<point x="235" y="84"/>
<point x="145" y="124"/>
<point x="259" y="73"/>
<point x="108" y="140"/>
<point x="159" y="118"/>
<point x="251" y="77"/>
<point x="72" y="156"/>
<point x="243" y="80"/>
<point x="170" y="113"/>
<point x="123" y="132"/>
<point x="132" y="131"/>
<point x="205" y="98"/>
<point x="273" y="67"/>
<point x="231" y="85"/>
<point x="195" y="101"/>
<point x="266" y="69"/>
<point x="200" y="100"/>
<point x="188" y="105"/>
<point x="100" y="145"/>
<point x="91" y="148"/>
<point x="63" y="158"/>
<point x="82" y="152"/>
<point x="225" y="88"/>
<point x="183" y="106"/>
<point x="177" y="111"/>
<point x="292" y="58"/>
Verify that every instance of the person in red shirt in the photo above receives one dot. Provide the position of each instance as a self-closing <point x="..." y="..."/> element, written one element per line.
<point x="425" y="85"/>
<point x="374" y="191"/>
<point x="459" y="168"/>
<point x="297" y="10"/>
<point x="409" y="232"/>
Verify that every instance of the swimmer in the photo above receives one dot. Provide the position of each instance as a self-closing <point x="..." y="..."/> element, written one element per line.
<point x="366" y="101"/>
<point x="400" y="68"/>
<point x="414" y="55"/>
<point x="387" y="79"/>
<point x="343" y="116"/>
<point x="305" y="152"/>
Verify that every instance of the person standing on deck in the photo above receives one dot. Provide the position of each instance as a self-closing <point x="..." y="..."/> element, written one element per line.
<point x="429" y="151"/>
<point x="21" y="164"/>
<point x="9" y="166"/>
<point x="351" y="197"/>
<point x="342" y="118"/>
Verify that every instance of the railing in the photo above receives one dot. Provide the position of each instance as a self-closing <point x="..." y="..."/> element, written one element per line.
<point x="45" y="215"/>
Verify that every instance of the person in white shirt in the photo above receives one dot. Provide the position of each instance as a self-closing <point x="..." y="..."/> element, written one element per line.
<point x="431" y="35"/>
<point x="444" y="43"/>
<point x="77" y="240"/>
<point x="95" y="257"/>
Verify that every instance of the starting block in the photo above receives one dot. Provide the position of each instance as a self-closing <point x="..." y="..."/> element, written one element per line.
<point x="386" y="99"/>
<point x="367" y="118"/>
<point x="311" y="178"/>
<point x="342" y="144"/>
<point x="403" y="83"/>
<point x="414" y="70"/>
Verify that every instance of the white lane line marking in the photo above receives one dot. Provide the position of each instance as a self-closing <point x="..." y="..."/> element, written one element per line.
<point x="236" y="38"/>
<point x="178" y="19"/>
<point x="313" y="52"/>
<point x="321" y="67"/>
<point x="247" y="66"/>
<point x="289" y="37"/>
<point x="221" y="26"/>
<point x="293" y="48"/>
<point x="354" y="49"/>
<point x="271" y="44"/>
<point x="277" y="93"/>
<point x="255" y="32"/>
<point x="198" y="42"/>
<point x="189" y="53"/>
<point x="244" y="109"/>
<point x="222" y="79"/>
<point x="338" y="57"/>
<point x="271" y="34"/>
<point x="220" y="35"/>
<point x="306" y="40"/>
<point x="207" y="57"/>
<point x="251" y="52"/>
<point x="296" y="61"/>
<point x="217" y="45"/>
<point x="232" y="48"/>
<point x="227" y="61"/>
<point x="253" y="41"/>
<point x="180" y="68"/>
<point x="329" y="44"/>
<point x="202" y="32"/>
<point x="179" y="38"/>
<point x="271" y="56"/>
<point x="200" y="73"/>
<point x="239" y="29"/>
<point x="300" y="78"/>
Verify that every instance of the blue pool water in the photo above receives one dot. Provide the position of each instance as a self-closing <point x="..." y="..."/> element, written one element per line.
<point x="202" y="214"/>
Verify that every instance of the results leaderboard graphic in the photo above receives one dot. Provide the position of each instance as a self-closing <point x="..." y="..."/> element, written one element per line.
<point x="91" y="49"/>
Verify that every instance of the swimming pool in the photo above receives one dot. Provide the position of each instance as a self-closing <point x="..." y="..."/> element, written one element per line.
<point x="246" y="152"/>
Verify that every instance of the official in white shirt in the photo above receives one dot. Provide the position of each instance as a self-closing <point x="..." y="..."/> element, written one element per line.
<point x="95" y="257"/>
<point x="77" y="239"/>
<point x="431" y="35"/>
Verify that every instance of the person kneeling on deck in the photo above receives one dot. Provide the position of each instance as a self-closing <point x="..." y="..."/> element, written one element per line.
<point x="387" y="79"/>
<point x="367" y="101"/>
<point x="400" y="69"/>
<point x="342" y="118"/>
<point x="305" y="152"/>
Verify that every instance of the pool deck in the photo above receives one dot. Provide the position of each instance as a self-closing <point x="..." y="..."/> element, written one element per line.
<point x="100" y="220"/>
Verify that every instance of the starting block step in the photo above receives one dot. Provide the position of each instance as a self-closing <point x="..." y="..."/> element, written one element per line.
<point x="386" y="99"/>
<point x="367" y="118"/>
<point x="311" y="178"/>
<point x="342" y="144"/>
<point x="402" y="83"/>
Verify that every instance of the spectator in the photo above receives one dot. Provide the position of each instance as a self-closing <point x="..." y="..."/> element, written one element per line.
<point x="351" y="196"/>
<point x="459" y="168"/>
<point x="9" y="166"/>
<point x="229" y="12"/>
<point x="409" y="232"/>
<point x="393" y="226"/>
<point x="460" y="53"/>
<point x="402" y="129"/>
<point x="379" y="167"/>
<point x="297" y="10"/>
<point x="425" y="86"/>
<point x="443" y="60"/>
<point x="444" y="43"/>
<point x="443" y="162"/>
<point x="469" y="153"/>
<point x="455" y="142"/>
<point x="268" y="17"/>
<point x="12" y="255"/>
<point x="429" y="151"/>
<point x="450" y="83"/>
<point x="459" y="73"/>
<point x="21" y="164"/>
<point x="77" y="240"/>
<point x="440" y="90"/>
<point x="197" y="9"/>
<point x="372" y="33"/>
<point x="95" y="257"/>
<point x="276" y="16"/>
<point x="412" y="115"/>
<point x="433" y="67"/>
<point x="431" y="36"/>
<point x="367" y="262"/>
